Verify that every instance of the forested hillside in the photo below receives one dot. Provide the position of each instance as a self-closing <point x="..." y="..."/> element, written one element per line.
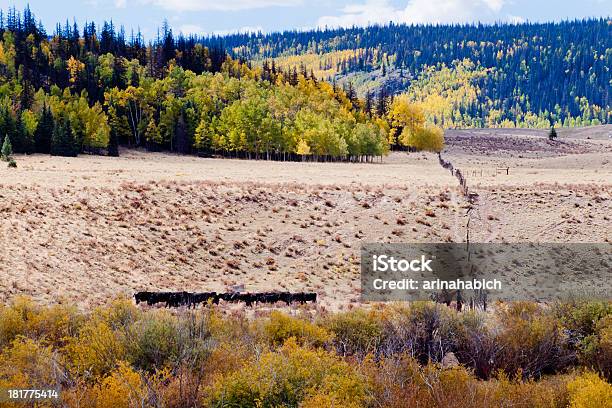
<point x="533" y="75"/>
<point x="91" y="90"/>
<point x="295" y="95"/>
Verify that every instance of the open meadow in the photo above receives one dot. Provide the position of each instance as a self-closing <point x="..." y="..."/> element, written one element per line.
<point x="86" y="229"/>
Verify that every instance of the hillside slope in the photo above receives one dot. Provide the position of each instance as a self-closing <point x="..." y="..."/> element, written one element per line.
<point x="532" y="74"/>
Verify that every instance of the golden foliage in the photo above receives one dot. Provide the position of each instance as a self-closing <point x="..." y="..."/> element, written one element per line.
<point x="120" y="356"/>
<point x="281" y="327"/>
<point x="409" y="128"/>
<point x="302" y="148"/>
<point x="26" y="363"/>
<point x="96" y="350"/>
<point x="287" y="378"/>
<point x="323" y="65"/>
<point x="356" y="332"/>
<point x="53" y="324"/>
<point x="429" y="139"/>
<point x="123" y="387"/>
<point x="589" y="390"/>
<point x="74" y="67"/>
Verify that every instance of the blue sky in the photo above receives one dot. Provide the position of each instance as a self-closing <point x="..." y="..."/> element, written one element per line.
<point x="222" y="16"/>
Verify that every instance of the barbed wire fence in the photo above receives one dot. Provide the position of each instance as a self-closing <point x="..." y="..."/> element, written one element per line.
<point x="475" y="209"/>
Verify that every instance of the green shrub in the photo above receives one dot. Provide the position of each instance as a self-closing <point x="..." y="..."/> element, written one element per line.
<point x="153" y="341"/>
<point x="356" y="332"/>
<point x="588" y="325"/>
<point x="159" y="339"/>
<point x="582" y="317"/>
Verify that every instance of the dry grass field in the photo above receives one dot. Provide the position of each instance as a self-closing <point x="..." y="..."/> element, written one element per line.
<point x="89" y="228"/>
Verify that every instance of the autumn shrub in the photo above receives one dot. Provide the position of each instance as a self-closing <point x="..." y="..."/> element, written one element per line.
<point x="395" y="381"/>
<point x="356" y="332"/>
<point x="26" y="363"/>
<point x="288" y="377"/>
<point x="502" y="391"/>
<point x="589" y="390"/>
<point x="187" y="380"/>
<point x="588" y="325"/>
<point x="477" y="346"/>
<point x="280" y="327"/>
<point x="531" y="341"/>
<point x="119" y="314"/>
<point x="234" y="327"/>
<point x="52" y="324"/>
<point x="520" y="354"/>
<point x="96" y="350"/>
<point x="153" y="341"/>
<point x="12" y="324"/>
<point x="424" y="330"/>
<point x="400" y="381"/>
<point x="122" y="388"/>
<point x="596" y="349"/>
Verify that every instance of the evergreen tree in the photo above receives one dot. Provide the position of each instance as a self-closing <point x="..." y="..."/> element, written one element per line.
<point x="182" y="142"/>
<point x="552" y="135"/>
<point x="24" y="136"/>
<point x="42" y="136"/>
<point x="62" y="142"/>
<point x="7" y="124"/>
<point x="7" y="149"/>
<point x="381" y="102"/>
<point x="368" y="102"/>
<point x="113" y="143"/>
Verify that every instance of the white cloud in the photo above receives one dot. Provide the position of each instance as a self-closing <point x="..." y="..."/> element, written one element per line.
<point x="188" y="29"/>
<point x="416" y="11"/>
<point x="120" y="3"/>
<point x="191" y="29"/>
<point x="495" y="5"/>
<point x="219" y="5"/>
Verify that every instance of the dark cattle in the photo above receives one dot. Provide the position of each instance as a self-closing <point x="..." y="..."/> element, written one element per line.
<point x="198" y="298"/>
<point x="143" y="297"/>
<point x="181" y="299"/>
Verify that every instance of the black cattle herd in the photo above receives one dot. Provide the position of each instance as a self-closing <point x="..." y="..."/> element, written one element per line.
<point x="186" y="299"/>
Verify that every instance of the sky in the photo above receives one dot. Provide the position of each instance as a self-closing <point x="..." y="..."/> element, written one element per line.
<point x="227" y="16"/>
